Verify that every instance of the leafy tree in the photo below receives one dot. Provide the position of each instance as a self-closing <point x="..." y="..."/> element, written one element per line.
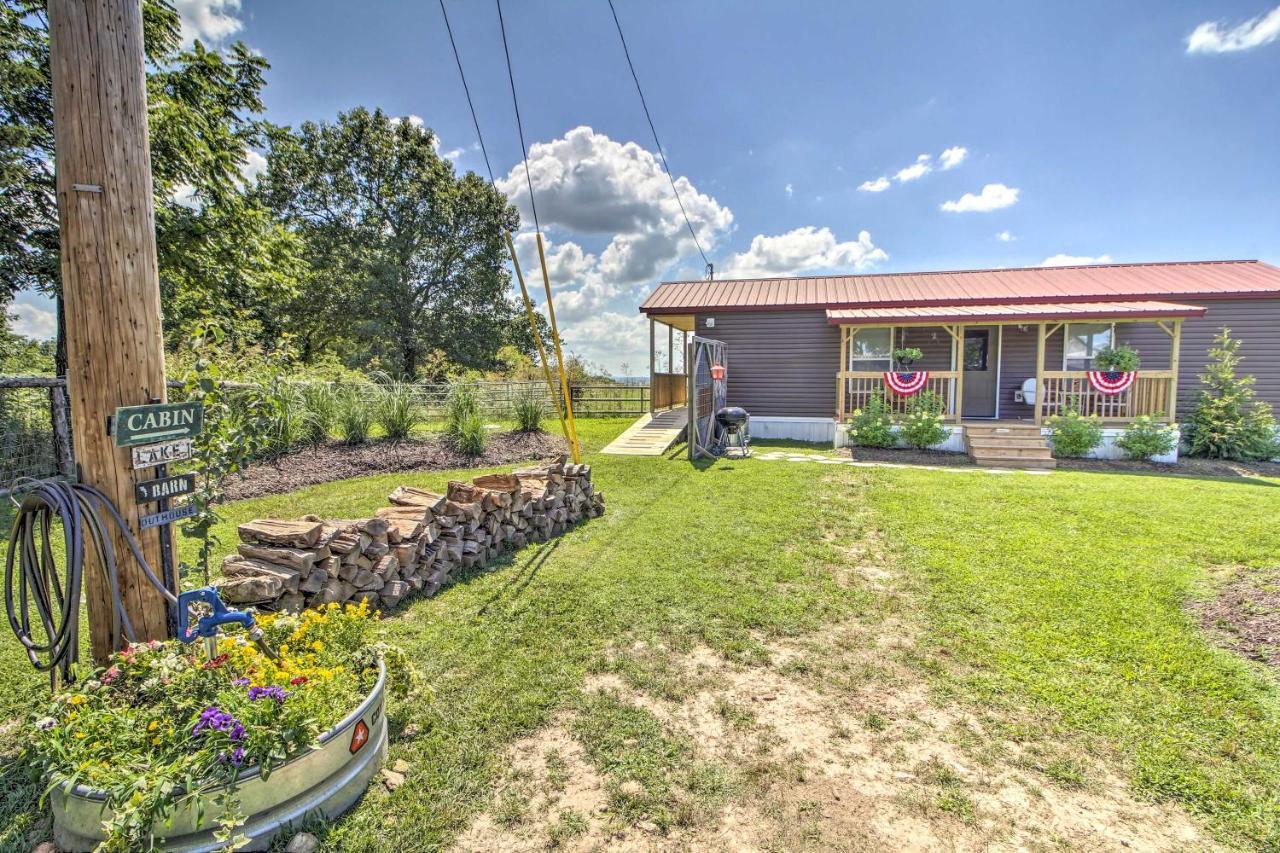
<point x="406" y="258"/>
<point x="1228" y="423"/>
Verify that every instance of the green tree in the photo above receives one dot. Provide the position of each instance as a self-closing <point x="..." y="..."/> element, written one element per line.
<point x="407" y="259"/>
<point x="1228" y="422"/>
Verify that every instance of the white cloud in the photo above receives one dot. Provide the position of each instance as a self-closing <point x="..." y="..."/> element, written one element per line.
<point x="1005" y="237"/>
<point x="211" y="21"/>
<point x="992" y="197"/>
<point x="185" y="195"/>
<point x="414" y="120"/>
<point x="1061" y="260"/>
<point x="802" y="249"/>
<point x="254" y="165"/>
<point x="953" y="157"/>
<point x="789" y="190"/>
<point x="879" y="185"/>
<point x="587" y="183"/>
<point x="33" y="321"/>
<point x="918" y="169"/>
<point x="1209" y="37"/>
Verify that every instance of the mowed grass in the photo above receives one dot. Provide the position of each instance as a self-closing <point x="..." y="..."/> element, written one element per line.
<point x="1055" y="601"/>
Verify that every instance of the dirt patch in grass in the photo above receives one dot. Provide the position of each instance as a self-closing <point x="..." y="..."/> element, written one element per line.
<point x="908" y="456"/>
<point x="1244" y="615"/>
<point x="834" y="744"/>
<point x="325" y="463"/>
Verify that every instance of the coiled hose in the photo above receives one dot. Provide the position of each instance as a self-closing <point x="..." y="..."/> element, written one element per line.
<point x="53" y="598"/>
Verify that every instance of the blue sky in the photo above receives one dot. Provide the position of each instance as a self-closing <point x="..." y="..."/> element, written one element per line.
<point x="1115" y="131"/>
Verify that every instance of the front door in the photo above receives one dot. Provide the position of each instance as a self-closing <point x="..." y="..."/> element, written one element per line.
<point x="980" y="359"/>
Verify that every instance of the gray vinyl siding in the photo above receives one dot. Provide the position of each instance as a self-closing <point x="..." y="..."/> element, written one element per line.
<point x="781" y="363"/>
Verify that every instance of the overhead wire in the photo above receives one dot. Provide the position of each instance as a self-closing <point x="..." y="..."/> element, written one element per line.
<point x="657" y="143"/>
<point x="457" y="57"/>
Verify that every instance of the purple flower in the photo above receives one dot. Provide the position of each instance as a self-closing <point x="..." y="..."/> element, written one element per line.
<point x="237" y="732"/>
<point x="214" y="718"/>
<point x="235" y="756"/>
<point x="273" y="692"/>
<point x="241" y="682"/>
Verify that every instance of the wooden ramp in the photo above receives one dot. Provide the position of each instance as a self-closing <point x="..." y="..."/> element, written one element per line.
<point x="651" y="435"/>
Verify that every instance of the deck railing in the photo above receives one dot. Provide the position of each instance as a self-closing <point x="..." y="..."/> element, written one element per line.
<point x="855" y="388"/>
<point x="1150" y="394"/>
<point x="670" y="390"/>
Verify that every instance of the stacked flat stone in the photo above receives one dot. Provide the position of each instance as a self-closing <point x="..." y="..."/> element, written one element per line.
<point x="415" y="546"/>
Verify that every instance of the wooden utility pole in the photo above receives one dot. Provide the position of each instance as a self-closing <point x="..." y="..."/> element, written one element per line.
<point x="110" y="285"/>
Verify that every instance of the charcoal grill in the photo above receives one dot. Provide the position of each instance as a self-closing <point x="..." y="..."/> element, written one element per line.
<point x="733" y="422"/>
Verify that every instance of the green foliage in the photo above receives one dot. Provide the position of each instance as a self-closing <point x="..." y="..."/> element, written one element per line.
<point x="872" y="425"/>
<point x="906" y="356"/>
<point x="320" y="411"/>
<point x="471" y="435"/>
<point x="1145" y="438"/>
<point x="238" y="424"/>
<point x="286" y="428"/>
<point x="1228" y="423"/>
<point x="1073" y="434"/>
<point x="1122" y="358"/>
<point x="529" y="409"/>
<point x="922" y="427"/>
<point x="460" y="405"/>
<point x="355" y="417"/>
<point x="396" y="408"/>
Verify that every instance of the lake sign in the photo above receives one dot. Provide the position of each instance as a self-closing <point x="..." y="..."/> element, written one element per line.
<point x="158" y="422"/>
<point x="164" y="487"/>
<point x="162" y="453"/>
<point x="168" y="516"/>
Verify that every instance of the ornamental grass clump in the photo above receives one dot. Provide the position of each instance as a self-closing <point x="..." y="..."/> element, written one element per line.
<point x="162" y="721"/>
<point x="872" y="425"/>
<point x="922" y="427"/>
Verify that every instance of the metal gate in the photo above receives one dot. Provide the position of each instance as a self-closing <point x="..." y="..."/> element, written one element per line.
<point x="707" y="395"/>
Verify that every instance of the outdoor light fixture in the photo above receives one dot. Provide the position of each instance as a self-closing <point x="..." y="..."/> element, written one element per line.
<point x="711" y="322"/>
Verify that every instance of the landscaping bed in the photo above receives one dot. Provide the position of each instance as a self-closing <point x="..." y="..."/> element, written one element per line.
<point x="1244" y="615"/>
<point x="324" y="463"/>
<point x="908" y="456"/>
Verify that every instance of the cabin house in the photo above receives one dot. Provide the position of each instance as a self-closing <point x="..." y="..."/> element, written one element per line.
<point x="1003" y="348"/>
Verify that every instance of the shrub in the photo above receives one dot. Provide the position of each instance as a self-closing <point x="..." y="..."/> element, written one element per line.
<point x="1120" y="358"/>
<point x="397" y="410"/>
<point x="320" y="412"/>
<point x="872" y="426"/>
<point x="471" y="436"/>
<point x="1073" y="434"/>
<point x="922" y="427"/>
<point x="459" y="406"/>
<point x="355" y="414"/>
<point x="529" y="410"/>
<point x="1228" y="423"/>
<point x="1145" y="438"/>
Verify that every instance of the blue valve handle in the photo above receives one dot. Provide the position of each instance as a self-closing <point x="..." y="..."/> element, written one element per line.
<point x="207" y="625"/>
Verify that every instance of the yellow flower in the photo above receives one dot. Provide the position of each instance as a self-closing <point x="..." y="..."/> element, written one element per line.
<point x="78" y="699"/>
<point x="318" y="646"/>
<point x="81" y="735"/>
<point x="153" y="725"/>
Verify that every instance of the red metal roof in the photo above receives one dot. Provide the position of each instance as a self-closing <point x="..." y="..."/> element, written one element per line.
<point x="1184" y="280"/>
<point x="1009" y="312"/>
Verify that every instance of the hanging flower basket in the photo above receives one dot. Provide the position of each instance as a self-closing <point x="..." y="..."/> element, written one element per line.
<point x="1112" y="382"/>
<point x="906" y="384"/>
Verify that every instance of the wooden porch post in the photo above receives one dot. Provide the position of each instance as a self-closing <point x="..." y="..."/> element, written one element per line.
<point x="844" y="359"/>
<point x="959" y="368"/>
<point x="1040" y="373"/>
<point x="652" y="333"/>
<point x="1175" y="345"/>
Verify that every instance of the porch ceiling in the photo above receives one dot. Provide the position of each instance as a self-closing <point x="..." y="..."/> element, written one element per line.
<point x="1019" y="313"/>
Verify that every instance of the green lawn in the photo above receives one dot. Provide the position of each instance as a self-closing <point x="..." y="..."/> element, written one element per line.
<point x="1052" y="603"/>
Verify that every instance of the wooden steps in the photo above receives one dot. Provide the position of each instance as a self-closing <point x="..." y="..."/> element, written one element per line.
<point x="1008" y="446"/>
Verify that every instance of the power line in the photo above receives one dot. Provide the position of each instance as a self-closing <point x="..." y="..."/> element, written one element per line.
<point x="524" y="149"/>
<point x="474" y="120"/>
<point x="654" y="131"/>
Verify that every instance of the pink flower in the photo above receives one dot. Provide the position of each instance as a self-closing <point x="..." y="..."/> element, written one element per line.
<point x="111" y="674"/>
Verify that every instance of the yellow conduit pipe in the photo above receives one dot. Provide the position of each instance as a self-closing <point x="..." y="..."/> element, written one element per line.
<point x="555" y="339"/>
<point x="542" y="352"/>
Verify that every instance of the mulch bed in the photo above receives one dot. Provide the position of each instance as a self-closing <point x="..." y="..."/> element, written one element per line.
<point x="325" y="463"/>
<point x="1245" y="615"/>
<point x="909" y="456"/>
<point x="1187" y="466"/>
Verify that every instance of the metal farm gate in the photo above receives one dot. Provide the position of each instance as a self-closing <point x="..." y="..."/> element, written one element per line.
<point x="708" y="362"/>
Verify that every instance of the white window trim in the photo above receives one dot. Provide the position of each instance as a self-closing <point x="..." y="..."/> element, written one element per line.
<point x="889" y="357"/>
<point x="1066" y="335"/>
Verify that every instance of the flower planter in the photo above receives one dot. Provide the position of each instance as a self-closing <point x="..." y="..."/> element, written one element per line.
<point x="325" y="781"/>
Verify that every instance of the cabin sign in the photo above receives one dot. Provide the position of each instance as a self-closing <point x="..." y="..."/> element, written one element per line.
<point x="158" y="422"/>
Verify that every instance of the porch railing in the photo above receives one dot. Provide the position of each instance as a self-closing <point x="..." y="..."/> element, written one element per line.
<point x="856" y="388"/>
<point x="670" y="390"/>
<point x="1150" y="394"/>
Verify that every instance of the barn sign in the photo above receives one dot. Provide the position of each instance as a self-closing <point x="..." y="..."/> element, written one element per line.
<point x="158" y="422"/>
<point x="164" y="487"/>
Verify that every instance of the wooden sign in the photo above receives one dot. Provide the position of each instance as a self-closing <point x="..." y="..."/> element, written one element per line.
<point x="168" y="516"/>
<point x="161" y="454"/>
<point x="164" y="487"/>
<point x="159" y="422"/>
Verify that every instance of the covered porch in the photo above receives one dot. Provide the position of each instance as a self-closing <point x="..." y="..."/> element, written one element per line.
<point x="979" y="358"/>
<point x="668" y="348"/>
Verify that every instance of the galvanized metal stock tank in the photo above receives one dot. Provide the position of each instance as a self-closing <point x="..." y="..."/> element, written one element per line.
<point x="323" y="782"/>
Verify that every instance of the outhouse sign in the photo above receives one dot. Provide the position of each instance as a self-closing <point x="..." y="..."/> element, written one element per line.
<point x="157" y="422"/>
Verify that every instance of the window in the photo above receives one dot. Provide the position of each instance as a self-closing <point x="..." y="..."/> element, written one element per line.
<point x="1083" y="341"/>
<point x="871" y="349"/>
<point x="975" y="349"/>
